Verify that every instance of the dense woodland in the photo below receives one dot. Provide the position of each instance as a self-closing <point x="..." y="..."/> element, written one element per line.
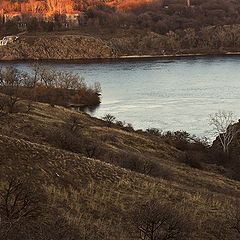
<point x="179" y="25"/>
<point x="160" y="16"/>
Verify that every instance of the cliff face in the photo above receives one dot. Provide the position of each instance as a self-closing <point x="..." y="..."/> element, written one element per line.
<point x="57" y="47"/>
<point x="66" y="47"/>
<point x="92" y="45"/>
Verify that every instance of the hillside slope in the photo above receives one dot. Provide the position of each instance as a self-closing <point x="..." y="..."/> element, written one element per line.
<point x="112" y="43"/>
<point x="96" y="197"/>
<point x="57" y="47"/>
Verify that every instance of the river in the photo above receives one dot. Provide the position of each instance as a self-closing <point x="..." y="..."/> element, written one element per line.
<point x="169" y="94"/>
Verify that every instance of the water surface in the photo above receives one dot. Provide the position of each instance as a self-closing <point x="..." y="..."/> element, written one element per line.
<point x="176" y="94"/>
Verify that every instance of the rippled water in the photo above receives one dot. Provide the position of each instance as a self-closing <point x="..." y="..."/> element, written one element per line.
<point x="174" y="94"/>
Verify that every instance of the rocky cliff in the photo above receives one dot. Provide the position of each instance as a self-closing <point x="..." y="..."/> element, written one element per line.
<point x="57" y="47"/>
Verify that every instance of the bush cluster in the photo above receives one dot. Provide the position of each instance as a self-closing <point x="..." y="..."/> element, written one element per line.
<point x="47" y="86"/>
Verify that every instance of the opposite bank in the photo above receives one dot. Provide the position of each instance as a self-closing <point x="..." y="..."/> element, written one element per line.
<point x="91" y="46"/>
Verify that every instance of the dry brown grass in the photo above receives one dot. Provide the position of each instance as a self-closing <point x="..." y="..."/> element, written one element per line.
<point x="90" y="193"/>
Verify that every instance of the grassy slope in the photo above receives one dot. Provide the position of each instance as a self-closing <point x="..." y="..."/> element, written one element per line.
<point x="91" y="192"/>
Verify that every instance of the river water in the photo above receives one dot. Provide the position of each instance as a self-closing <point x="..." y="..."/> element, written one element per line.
<point x="175" y="94"/>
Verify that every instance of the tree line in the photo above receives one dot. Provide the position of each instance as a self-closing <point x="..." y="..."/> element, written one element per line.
<point x="157" y="16"/>
<point x="42" y="84"/>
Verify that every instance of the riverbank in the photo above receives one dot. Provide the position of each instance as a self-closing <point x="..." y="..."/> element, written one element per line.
<point x="7" y="55"/>
<point x="123" y="58"/>
<point x="80" y="46"/>
<point x="170" y="56"/>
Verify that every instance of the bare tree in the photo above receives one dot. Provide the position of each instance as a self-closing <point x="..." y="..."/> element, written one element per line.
<point x="73" y="123"/>
<point x="10" y="83"/>
<point x="17" y="201"/>
<point x="45" y="85"/>
<point x="154" y="221"/>
<point x="69" y="80"/>
<point x="17" y="204"/>
<point x="224" y="128"/>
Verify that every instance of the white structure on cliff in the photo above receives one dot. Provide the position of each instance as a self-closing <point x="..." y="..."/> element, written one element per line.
<point x="8" y="39"/>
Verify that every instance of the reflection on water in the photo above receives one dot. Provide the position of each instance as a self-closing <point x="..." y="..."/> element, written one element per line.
<point x="169" y="94"/>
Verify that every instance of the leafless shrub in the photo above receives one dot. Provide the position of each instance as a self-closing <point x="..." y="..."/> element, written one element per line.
<point x="154" y="131"/>
<point x="74" y="141"/>
<point x="153" y="220"/>
<point x="120" y="123"/>
<point x="64" y="139"/>
<point x="92" y="148"/>
<point x="18" y="204"/>
<point x="24" y="215"/>
<point x="109" y="119"/>
<point x="135" y="162"/>
<point x="184" y="141"/>
<point x="179" y="139"/>
<point x="73" y="123"/>
<point x="194" y="159"/>
<point x="129" y="127"/>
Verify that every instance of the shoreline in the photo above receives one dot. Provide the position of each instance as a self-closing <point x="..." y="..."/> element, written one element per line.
<point x="183" y="55"/>
<point x="126" y="58"/>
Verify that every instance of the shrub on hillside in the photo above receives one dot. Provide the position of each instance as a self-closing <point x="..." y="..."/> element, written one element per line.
<point x="120" y="123"/>
<point x="154" y="131"/>
<point x="24" y="214"/>
<point x="92" y="148"/>
<point x="109" y="119"/>
<point x="62" y="138"/>
<point x="195" y="159"/>
<point x="74" y="141"/>
<point x="135" y="162"/>
<point x="153" y="220"/>
<point x="184" y="141"/>
<point x="73" y="123"/>
<point x="129" y="127"/>
<point x="19" y="207"/>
